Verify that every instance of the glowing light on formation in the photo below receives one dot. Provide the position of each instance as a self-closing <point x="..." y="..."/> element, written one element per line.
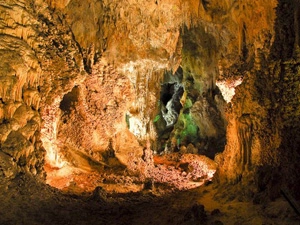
<point x="227" y="88"/>
<point x="53" y="158"/>
<point x="169" y="113"/>
<point x="133" y="68"/>
<point x="139" y="73"/>
<point x="137" y="127"/>
<point x="49" y="134"/>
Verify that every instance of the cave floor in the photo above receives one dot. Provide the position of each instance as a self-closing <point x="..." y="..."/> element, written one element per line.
<point x="26" y="201"/>
<point x="179" y="171"/>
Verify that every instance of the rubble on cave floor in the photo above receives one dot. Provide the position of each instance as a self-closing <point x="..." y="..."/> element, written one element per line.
<point x="26" y="201"/>
<point x="180" y="191"/>
<point x="163" y="173"/>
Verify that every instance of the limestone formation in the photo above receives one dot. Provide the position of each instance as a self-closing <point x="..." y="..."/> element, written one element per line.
<point x="94" y="85"/>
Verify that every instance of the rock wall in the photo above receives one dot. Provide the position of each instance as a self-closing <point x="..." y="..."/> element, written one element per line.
<point x="211" y="40"/>
<point x="262" y="141"/>
<point x="38" y="64"/>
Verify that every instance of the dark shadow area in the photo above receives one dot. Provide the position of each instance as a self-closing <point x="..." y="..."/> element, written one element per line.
<point x="282" y="86"/>
<point x="29" y="202"/>
<point x="69" y="100"/>
<point x="170" y="106"/>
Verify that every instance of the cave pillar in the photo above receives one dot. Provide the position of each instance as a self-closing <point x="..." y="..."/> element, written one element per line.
<point x="49" y="129"/>
<point x="245" y="136"/>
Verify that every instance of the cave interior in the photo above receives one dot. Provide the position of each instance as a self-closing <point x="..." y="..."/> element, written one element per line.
<point x="142" y="112"/>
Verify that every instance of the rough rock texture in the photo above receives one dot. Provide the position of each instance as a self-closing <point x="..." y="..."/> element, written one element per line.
<point x="40" y="204"/>
<point x="262" y="131"/>
<point x="211" y="40"/>
<point x="36" y="61"/>
<point x="83" y="81"/>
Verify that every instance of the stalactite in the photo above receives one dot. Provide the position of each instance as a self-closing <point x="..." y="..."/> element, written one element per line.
<point x="23" y="114"/>
<point x="7" y="88"/>
<point x="175" y="59"/>
<point x="244" y="49"/>
<point x="33" y="77"/>
<point x="19" y="148"/>
<point x="10" y="108"/>
<point x="32" y="98"/>
<point x="141" y="74"/>
<point x="22" y="78"/>
<point x="29" y="130"/>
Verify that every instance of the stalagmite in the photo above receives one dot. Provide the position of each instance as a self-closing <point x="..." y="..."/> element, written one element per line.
<point x="50" y="118"/>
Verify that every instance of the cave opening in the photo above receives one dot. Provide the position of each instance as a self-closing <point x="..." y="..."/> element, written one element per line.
<point x="171" y="94"/>
<point x="64" y="162"/>
<point x="191" y="120"/>
<point x="69" y="100"/>
<point x="169" y="108"/>
<point x="88" y="161"/>
<point x="56" y="115"/>
<point x="188" y="120"/>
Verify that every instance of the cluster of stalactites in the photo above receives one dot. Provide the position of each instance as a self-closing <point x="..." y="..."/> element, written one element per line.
<point x="145" y="76"/>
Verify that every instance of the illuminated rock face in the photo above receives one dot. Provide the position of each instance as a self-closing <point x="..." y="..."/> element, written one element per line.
<point x="34" y="67"/>
<point x="90" y="76"/>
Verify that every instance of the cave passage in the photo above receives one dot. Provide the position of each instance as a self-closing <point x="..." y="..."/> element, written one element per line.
<point x="84" y="169"/>
<point x="170" y="99"/>
<point x="171" y="93"/>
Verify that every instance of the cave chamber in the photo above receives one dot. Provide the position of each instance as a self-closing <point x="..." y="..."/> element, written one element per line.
<point x="142" y="112"/>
